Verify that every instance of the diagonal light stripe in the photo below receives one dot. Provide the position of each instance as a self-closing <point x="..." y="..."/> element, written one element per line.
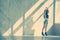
<point x="7" y="32"/>
<point x="33" y="8"/>
<point x="19" y="32"/>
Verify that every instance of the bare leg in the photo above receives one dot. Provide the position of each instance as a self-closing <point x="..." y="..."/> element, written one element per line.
<point x="46" y="28"/>
<point x="43" y="28"/>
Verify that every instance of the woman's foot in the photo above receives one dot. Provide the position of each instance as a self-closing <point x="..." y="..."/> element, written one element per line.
<point x="42" y="34"/>
<point x="46" y="33"/>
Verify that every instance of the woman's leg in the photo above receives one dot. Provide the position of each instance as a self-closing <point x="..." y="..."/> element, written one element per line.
<point x="43" y="29"/>
<point x="46" y="29"/>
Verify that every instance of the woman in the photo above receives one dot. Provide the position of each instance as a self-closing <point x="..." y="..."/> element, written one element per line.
<point x="46" y="16"/>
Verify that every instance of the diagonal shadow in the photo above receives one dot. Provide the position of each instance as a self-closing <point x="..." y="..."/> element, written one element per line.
<point x="43" y="13"/>
<point x="31" y="15"/>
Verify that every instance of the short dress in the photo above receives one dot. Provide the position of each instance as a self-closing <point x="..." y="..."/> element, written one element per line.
<point x="45" y="21"/>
